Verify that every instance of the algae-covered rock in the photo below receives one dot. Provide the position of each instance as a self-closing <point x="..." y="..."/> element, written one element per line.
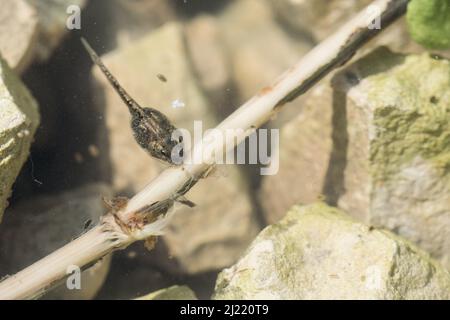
<point x="376" y="144"/>
<point x="19" y="119"/>
<point x="318" y="252"/>
<point x="396" y="146"/>
<point x="214" y="233"/>
<point x="171" y="293"/>
<point x="429" y="22"/>
<point x="210" y="63"/>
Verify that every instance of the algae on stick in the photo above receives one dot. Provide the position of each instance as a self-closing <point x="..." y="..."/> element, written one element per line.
<point x="429" y="23"/>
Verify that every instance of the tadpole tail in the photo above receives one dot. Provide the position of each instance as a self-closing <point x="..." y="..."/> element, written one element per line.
<point x="132" y="105"/>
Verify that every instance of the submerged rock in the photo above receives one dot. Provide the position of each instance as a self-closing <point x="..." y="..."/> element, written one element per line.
<point x="19" y="119"/>
<point x="171" y="293"/>
<point x="41" y="225"/>
<point x="18" y="33"/>
<point x="214" y="233"/>
<point x="388" y="158"/>
<point x="397" y="154"/>
<point x="318" y="252"/>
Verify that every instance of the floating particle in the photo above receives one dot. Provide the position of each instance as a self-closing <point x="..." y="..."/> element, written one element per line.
<point x="161" y="77"/>
<point x="23" y="133"/>
<point x="93" y="151"/>
<point x="178" y="104"/>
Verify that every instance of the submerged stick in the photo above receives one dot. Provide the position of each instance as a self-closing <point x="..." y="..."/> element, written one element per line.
<point x="115" y="230"/>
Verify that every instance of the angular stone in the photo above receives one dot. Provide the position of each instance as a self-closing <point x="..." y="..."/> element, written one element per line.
<point x="320" y="18"/>
<point x="171" y="293"/>
<point x="18" y="33"/>
<point x="318" y="252"/>
<point x="19" y="119"/>
<point x="208" y="231"/>
<point x="397" y="152"/>
<point x="389" y="155"/>
<point x="38" y="226"/>
<point x="216" y="232"/>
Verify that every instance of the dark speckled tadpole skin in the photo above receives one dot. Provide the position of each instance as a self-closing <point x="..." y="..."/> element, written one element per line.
<point x="151" y="129"/>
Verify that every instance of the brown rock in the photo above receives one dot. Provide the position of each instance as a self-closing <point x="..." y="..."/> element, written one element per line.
<point x="19" y="118"/>
<point x="386" y="164"/>
<point x="210" y="63"/>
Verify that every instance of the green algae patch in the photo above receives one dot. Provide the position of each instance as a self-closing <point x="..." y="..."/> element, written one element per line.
<point x="411" y="106"/>
<point x="429" y="23"/>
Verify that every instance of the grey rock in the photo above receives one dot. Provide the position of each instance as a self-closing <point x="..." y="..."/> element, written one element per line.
<point x="318" y="252"/>
<point x="388" y="160"/>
